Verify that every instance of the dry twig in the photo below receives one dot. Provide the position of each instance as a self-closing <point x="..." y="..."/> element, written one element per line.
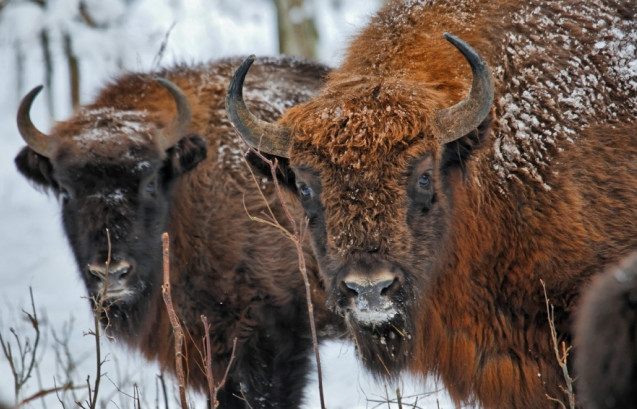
<point x="22" y="365"/>
<point x="44" y="392"/>
<point x="212" y="388"/>
<point x="560" y="356"/>
<point x="162" y="47"/>
<point x="162" y="383"/>
<point x="178" y="332"/>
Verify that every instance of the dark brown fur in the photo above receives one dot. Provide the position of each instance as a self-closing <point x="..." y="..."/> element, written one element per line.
<point x="241" y="274"/>
<point x="545" y="189"/>
<point x="606" y="339"/>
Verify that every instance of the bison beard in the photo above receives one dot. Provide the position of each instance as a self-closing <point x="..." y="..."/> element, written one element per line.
<point x="152" y="155"/>
<point x="385" y="348"/>
<point x="398" y="163"/>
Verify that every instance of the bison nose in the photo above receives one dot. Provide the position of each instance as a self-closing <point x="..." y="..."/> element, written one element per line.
<point x="372" y="291"/>
<point x="114" y="273"/>
<point x="370" y="295"/>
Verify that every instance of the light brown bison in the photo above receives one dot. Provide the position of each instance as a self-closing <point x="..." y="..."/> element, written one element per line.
<point x="124" y="164"/>
<point x="606" y="339"/>
<point x="440" y="195"/>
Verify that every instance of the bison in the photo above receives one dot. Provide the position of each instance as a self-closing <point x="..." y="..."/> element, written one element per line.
<point x="439" y="194"/>
<point x="606" y="339"/>
<point x="153" y="155"/>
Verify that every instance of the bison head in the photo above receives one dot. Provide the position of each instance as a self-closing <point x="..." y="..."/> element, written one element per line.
<point x="113" y="172"/>
<point x="373" y="161"/>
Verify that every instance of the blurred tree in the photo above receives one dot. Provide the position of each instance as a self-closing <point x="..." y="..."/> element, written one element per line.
<point x="58" y="30"/>
<point x="297" y="31"/>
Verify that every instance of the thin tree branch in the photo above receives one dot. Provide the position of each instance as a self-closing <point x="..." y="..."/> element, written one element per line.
<point x="561" y="358"/>
<point x="178" y="332"/>
<point x="42" y="393"/>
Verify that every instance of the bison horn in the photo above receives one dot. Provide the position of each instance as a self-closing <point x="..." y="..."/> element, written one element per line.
<point x="181" y="123"/>
<point x="460" y="119"/>
<point x="38" y="142"/>
<point x="261" y="135"/>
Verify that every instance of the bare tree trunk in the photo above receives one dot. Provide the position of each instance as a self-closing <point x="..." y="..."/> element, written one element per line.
<point x="74" y="71"/>
<point x="297" y="31"/>
<point x="3" y="4"/>
<point x="19" y="64"/>
<point x="48" y="71"/>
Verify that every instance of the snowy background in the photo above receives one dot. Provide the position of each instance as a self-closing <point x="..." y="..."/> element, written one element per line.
<point x="33" y="249"/>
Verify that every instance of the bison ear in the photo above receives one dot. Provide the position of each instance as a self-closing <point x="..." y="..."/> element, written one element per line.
<point x="186" y="154"/>
<point x="456" y="153"/>
<point x="284" y="173"/>
<point x="36" y="168"/>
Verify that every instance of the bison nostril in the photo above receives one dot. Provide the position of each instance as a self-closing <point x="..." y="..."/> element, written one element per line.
<point x="350" y="288"/>
<point x="120" y="271"/>
<point x="389" y="287"/>
<point x="97" y="273"/>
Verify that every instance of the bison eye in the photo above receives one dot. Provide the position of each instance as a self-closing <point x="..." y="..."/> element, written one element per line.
<point x="305" y="191"/>
<point x="151" y="187"/>
<point x="424" y="180"/>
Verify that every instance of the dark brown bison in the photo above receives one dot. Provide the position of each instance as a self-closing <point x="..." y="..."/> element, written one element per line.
<point x="606" y="339"/>
<point x="439" y="196"/>
<point x="126" y="171"/>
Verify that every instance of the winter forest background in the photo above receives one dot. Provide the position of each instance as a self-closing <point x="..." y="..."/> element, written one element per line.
<point x="74" y="47"/>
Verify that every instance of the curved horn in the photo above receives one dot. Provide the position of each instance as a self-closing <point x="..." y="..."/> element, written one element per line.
<point x="261" y="135"/>
<point x="181" y="123"/>
<point x="460" y="119"/>
<point x="38" y="142"/>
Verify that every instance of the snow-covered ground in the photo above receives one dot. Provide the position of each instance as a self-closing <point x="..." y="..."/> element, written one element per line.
<point x="33" y="250"/>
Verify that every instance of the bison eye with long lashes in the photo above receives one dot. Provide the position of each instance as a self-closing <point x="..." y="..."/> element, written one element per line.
<point x="309" y="199"/>
<point x="421" y="188"/>
<point x="305" y="191"/>
<point x="424" y="180"/>
<point x="151" y="187"/>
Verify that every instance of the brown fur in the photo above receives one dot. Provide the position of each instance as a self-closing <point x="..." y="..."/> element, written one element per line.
<point x="241" y="274"/>
<point x="545" y="189"/>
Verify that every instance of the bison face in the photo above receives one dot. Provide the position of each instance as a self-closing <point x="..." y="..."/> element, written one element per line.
<point x="114" y="178"/>
<point x="374" y="160"/>
<point x="378" y="232"/>
<point x="375" y="233"/>
<point x="114" y="210"/>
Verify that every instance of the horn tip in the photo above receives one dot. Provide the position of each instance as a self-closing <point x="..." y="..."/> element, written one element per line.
<point x="248" y="61"/>
<point x="455" y="40"/>
<point x="35" y="91"/>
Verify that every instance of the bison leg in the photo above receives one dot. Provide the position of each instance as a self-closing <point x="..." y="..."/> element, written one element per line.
<point x="273" y="364"/>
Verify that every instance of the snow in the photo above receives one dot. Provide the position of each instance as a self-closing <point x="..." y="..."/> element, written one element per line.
<point x="561" y="84"/>
<point x="33" y="249"/>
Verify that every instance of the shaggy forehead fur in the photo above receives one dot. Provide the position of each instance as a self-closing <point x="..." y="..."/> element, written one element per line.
<point x="363" y="120"/>
<point x="109" y="135"/>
